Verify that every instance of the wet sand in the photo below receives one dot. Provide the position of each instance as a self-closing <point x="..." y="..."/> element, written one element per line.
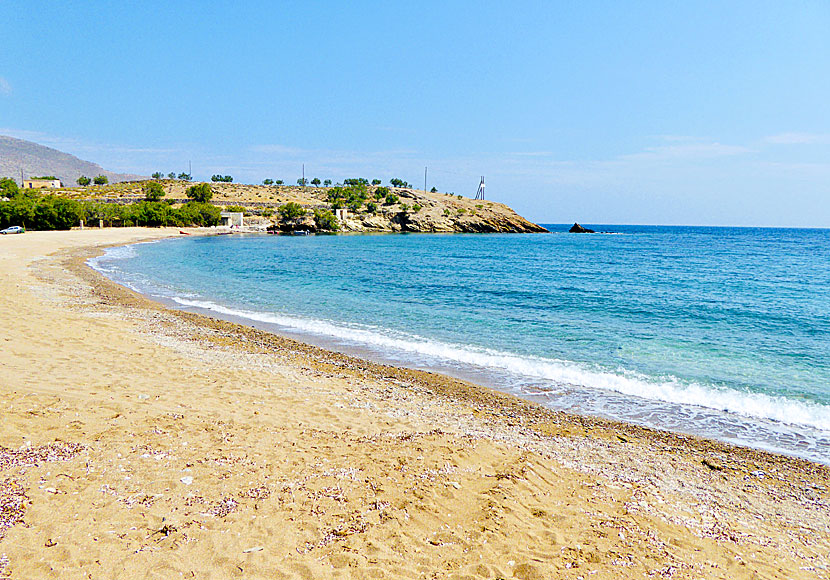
<point x="142" y="442"/>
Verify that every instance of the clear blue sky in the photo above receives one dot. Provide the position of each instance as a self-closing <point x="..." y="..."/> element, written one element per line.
<point x="661" y="112"/>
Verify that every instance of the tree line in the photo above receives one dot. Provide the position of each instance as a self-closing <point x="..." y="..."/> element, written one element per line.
<point x="50" y="212"/>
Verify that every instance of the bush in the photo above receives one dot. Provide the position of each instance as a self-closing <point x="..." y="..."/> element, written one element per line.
<point x="158" y="175"/>
<point x="41" y="213"/>
<point x="416" y="208"/>
<point x="221" y="178"/>
<point x="326" y="182"/>
<point x="391" y="199"/>
<point x="267" y="182"/>
<point x="153" y="191"/>
<point x="101" y="180"/>
<point x="83" y="181"/>
<point x="376" y="182"/>
<point x="8" y="187"/>
<point x="200" y="192"/>
<point x="278" y="182"/>
<point x="433" y="190"/>
<point x="326" y="221"/>
<point x="291" y="211"/>
<point x="235" y="208"/>
<point x="371" y="207"/>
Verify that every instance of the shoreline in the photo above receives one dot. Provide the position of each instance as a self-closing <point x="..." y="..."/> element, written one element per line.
<point x="708" y="502"/>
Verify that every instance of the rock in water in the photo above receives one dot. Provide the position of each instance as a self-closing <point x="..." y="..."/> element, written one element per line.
<point x="578" y="229"/>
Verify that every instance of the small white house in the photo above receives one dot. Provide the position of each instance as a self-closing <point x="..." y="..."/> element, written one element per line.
<point x="341" y="214"/>
<point x="232" y="218"/>
<point x="42" y="183"/>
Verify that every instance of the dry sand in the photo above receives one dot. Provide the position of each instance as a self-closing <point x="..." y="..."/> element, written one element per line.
<point x="138" y="442"/>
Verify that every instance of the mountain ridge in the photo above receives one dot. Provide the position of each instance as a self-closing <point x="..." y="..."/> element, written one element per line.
<point x="34" y="159"/>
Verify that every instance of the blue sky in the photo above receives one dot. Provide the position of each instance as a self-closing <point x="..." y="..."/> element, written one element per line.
<point x="661" y="112"/>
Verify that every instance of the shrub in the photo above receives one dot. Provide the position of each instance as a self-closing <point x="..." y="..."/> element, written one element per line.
<point x="381" y="192"/>
<point x="315" y="182"/>
<point x="200" y="192"/>
<point x="235" y="208"/>
<point x="153" y="191"/>
<point x="267" y="182"/>
<point x="404" y="207"/>
<point x="8" y="187"/>
<point x="376" y="182"/>
<point x="278" y="182"/>
<point x="158" y="175"/>
<point x="83" y="181"/>
<point x="326" y="182"/>
<point x="416" y="208"/>
<point x="326" y="221"/>
<point x="391" y="199"/>
<point x="291" y="211"/>
<point x="221" y="178"/>
<point x="433" y="190"/>
<point x="100" y="180"/>
<point x="371" y="207"/>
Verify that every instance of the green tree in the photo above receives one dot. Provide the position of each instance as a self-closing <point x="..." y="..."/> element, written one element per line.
<point x="153" y="191"/>
<point x="278" y="182"/>
<point x="291" y="211"/>
<point x="101" y="180"/>
<point x="158" y="175"/>
<point x="325" y="220"/>
<point x="315" y="181"/>
<point x="395" y="182"/>
<point x="267" y="182"/>
<point x="201" y="192"/>
<point x="391" y="199"/>
<point x="371" y="207"/>
<point x="376" y="182"/>
<point x="302" y="181"/>
<point x="327" y="182"/>
<point x="381" y="192"/>
<point x="8" y="187"/>
<point x="416" y="208"/>
<point x="433" y="190"/>
<point x="185" y="176"/>
<point x="171" y="175"/>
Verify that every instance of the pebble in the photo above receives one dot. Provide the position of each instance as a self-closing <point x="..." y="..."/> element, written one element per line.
<point x="187" y="480"/>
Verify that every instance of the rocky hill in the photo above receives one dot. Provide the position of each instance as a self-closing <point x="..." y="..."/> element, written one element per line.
<point x="34" y="160"/>
<point x="412" y="211"/>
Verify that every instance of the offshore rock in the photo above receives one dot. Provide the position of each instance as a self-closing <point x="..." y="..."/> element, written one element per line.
<point x="578" y="229"/>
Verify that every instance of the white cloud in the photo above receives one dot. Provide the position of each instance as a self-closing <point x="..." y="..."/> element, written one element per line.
<point x="798" y="139"/>
<point x="687" y="151"/>
<point x="5" y="87"/>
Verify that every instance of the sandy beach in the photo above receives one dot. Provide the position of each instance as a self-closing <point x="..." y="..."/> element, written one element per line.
<point x="141" y="442"/>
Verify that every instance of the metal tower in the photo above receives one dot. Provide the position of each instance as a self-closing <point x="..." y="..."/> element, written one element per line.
<point x="480" y="192"/>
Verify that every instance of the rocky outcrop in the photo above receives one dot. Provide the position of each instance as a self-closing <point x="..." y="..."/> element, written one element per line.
<point x="578" y="229"/>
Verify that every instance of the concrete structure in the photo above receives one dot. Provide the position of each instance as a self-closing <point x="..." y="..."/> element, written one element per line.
<point x="42" y="183"/>
<point x="231" y="218"/>
<point x="341" y="214"/>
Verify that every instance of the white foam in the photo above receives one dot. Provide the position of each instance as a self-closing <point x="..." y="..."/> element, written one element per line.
<point x="667" y="389"/>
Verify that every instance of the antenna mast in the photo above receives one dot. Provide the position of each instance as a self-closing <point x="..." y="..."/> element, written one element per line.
<point x="480" y="192"/>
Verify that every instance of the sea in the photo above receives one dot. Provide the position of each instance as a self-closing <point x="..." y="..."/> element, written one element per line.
<point x="711" y="331"/>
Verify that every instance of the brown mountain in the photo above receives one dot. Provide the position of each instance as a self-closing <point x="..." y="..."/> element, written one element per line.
<point x="37" y="160"/>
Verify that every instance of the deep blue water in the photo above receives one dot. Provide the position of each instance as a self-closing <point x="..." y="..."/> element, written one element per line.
<point x="722" y="332"/>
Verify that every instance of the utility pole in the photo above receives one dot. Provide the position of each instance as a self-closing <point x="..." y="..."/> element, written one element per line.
<point x="303" y="174"/>
<point x="190" y="169"/>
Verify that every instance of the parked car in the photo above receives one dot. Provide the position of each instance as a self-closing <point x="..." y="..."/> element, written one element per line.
<point x="13" y="230"/>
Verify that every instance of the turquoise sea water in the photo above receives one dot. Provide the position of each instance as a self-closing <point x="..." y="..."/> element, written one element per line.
<point x="721" y="332"/>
